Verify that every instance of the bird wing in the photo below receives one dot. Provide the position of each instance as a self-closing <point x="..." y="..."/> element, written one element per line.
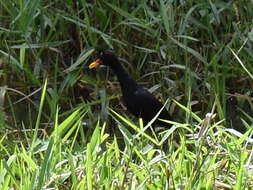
<point x="147" y="99"/>
<point x="143" y="104"/>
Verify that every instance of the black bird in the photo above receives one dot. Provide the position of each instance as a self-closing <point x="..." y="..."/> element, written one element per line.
<point x="140" y="102"/>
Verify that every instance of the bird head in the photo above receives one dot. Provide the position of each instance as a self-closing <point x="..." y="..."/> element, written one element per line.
<point x="106" y="57"/>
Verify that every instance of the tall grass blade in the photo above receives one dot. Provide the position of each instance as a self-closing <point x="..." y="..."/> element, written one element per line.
<point x="35" y="135"/>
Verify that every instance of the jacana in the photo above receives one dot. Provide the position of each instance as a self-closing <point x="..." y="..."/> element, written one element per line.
<point x="139" y="101"/>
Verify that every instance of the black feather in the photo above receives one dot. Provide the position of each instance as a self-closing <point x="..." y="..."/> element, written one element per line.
<point x="140" y="102"/>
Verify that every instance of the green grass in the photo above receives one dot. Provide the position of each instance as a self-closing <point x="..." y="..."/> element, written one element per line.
<point x="62" y="126"/>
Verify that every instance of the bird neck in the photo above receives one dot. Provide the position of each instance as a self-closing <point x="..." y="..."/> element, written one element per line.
<point x="125" y="80"/>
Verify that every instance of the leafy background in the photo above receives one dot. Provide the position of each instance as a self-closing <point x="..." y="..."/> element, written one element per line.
<point x="64" y="126"/>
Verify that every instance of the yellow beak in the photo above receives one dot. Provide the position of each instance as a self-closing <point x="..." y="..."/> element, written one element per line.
<point x="95" y="64"/>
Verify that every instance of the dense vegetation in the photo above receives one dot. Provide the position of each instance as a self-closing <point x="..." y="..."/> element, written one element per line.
<point x="62" y="126"/>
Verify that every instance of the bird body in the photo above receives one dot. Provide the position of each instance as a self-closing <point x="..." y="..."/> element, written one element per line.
<point x="139" y="101"/>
